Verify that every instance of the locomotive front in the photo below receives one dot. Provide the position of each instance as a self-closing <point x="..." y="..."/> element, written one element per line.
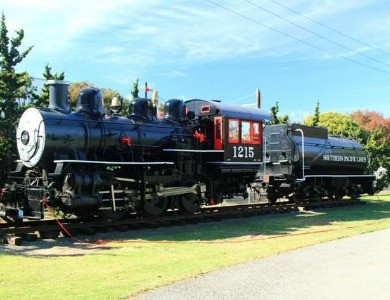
<point x="48" y="134"/>
<point x="85" y="162"/>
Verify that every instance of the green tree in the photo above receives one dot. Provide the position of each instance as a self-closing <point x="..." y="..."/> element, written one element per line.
<point x="135" y="90"/>
<point x="11" y="86"/>
<point x="339" y="124"/>
<point x="274" y="113"/>
<point x="377" y="129"/>
<point x="316" y="118"/>
<point x="43" y="98"/>
<point x="28" y="94"/>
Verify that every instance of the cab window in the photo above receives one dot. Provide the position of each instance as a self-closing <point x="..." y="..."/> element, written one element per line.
<point x="256" y="133"/>
<point x="245" y="132"/>
<point x="234" y="131"/>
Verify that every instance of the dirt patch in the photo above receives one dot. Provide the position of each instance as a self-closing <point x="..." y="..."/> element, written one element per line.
<point x="54" y="248"/>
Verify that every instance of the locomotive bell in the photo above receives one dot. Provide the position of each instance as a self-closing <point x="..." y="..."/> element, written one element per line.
<point x="90" y="102"/>
<point x="116" y="104"/>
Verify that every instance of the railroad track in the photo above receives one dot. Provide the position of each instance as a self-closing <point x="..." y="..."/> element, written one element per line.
<point x="16" y="233"/>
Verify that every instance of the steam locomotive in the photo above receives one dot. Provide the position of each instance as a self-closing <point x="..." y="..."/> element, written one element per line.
<point x="87" y="162"/>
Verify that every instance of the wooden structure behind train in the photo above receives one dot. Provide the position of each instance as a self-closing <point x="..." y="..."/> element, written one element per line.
<point x="87" y="162"/>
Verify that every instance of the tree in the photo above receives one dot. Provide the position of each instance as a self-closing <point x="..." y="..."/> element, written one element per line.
<point x="11" y="86"/>
<point x="274" y="113"/>
<point x="339" y="124"/>
<point x="28" y="93"/>
<point x="316" y="118"/>
<point x="377" y="129"/>
<point x="371" y="120"/>
<point x="43" y="98"/>
<point x="135" y="90"/>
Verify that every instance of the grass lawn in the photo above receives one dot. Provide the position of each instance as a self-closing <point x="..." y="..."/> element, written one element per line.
<point x="145" y="259"/>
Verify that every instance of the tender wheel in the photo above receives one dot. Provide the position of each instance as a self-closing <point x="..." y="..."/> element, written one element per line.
<point x="155" y="206"/>
<point x="339" y="193"/>
<point x="353" y="192"/>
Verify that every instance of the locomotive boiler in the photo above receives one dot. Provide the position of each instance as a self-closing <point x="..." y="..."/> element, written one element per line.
<point x="304" y="162"/>
<point x="88" y="162"/>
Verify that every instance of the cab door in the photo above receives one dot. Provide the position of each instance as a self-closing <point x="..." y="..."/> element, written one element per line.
<point x="218" y="133"/>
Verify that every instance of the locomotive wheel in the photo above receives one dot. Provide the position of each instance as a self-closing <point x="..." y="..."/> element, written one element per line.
<point x="272" y="195"/>
<point x="316" y="194"/>
<point x="156" y="206"/>
<point x="190" y="203"/>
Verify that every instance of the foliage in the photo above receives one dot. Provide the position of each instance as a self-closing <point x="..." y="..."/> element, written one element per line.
<point x="135" y="90"/>
<point x="316" y="118"/>
<point x="28" y="93"/>
<point x="339" y="124"/>
<point x="11" y="89"/>
<point x="276" y="119"/>
<point x="377" y="129"/>
<point x="380" y="178"/>
<point x="371" y="121"/>
<point x="43" y="98"/>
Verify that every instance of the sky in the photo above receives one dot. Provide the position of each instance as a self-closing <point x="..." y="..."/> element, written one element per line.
<point x="297" y="52"/>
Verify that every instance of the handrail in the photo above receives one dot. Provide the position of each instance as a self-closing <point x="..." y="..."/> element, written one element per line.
<point x="303" y="154"/>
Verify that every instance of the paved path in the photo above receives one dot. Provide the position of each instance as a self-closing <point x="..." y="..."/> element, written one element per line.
<point x="353" y="268"/>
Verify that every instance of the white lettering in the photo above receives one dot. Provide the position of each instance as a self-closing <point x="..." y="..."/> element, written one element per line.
<point x="243" y="152"/>
<point x="345" y="158"/>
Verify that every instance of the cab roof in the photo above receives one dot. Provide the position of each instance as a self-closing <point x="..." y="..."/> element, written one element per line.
<point x="218" y="108"/>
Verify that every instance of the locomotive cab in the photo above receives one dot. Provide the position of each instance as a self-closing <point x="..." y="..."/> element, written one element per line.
<point x="230" y="139"/>
<point x="234" y="131"/>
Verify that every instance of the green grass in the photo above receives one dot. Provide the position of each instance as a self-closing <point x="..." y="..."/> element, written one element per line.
<point x="150" y="258"/>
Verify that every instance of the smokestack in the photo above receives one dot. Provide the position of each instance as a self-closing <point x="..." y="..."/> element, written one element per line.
<point x="258" y="98"/>
<point x="58" y="95"/>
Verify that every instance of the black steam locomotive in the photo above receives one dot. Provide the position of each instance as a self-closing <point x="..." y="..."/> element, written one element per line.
<point x="86" y="162"/>
<point x="304" y="163"/>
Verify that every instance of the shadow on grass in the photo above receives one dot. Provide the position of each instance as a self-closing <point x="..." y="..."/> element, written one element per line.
<point x="267" y="226"/>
